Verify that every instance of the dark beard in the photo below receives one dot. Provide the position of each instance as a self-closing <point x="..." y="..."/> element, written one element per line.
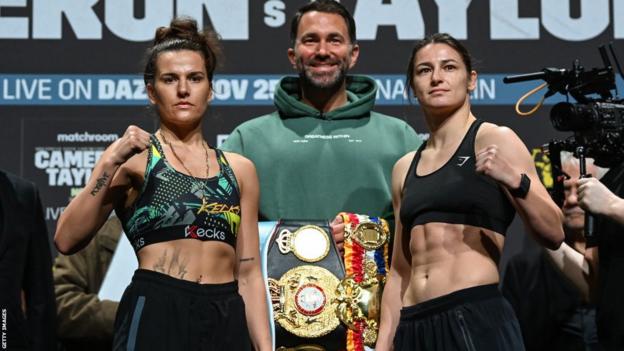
<point x="308" y="79"/>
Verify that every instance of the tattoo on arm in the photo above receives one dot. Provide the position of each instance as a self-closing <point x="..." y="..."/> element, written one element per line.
<point x="246" y="259"/>
<point x="99" y="183"/>
<point x="160" y="264"/>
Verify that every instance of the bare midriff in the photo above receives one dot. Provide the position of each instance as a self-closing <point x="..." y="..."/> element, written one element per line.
<point x="204" y="262"/>
<point x="449" y="257"/>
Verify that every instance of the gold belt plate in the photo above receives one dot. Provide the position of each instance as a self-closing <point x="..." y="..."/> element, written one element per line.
<point x="303" y="301"/>
<point x="370" y="235"/>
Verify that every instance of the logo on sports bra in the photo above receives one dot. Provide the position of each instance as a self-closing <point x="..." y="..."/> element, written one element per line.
<point x="196" y="232"/>
<point x="462" y="160"/>
<point x="215" y="207"/>
<point x="139" y="243"/>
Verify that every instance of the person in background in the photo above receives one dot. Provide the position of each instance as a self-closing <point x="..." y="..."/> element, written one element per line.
<point x="553" y="313"/>
<point x="601" y="270"/>
<point x="27" y="308"/>
<point x="84" y="321"/>
<point x="324" y="150"/>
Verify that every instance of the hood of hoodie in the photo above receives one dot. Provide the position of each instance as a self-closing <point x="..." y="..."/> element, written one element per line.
<point x="361" y="92"/>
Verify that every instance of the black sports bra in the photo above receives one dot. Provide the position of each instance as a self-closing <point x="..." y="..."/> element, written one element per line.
<point x="455" y="193"/>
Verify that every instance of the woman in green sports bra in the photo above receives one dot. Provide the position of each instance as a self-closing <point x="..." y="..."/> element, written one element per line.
<point x="189" y="210"/>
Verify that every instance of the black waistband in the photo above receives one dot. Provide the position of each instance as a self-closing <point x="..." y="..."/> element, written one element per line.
<point x="446" y="302"/>
<point x="167" y="282"/>
<point x="182" y="232"/>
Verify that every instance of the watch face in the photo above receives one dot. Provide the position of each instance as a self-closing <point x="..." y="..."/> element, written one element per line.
<point x="310" y="243"/>
<point x="310" y="299"/>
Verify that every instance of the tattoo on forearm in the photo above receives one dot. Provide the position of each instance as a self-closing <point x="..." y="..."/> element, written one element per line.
<point x="246" y="259"/>
<point x="160" y="264"/>
<point x="99" y="183"/>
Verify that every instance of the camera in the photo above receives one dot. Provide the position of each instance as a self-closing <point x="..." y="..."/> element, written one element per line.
<point x="596" y="119"/>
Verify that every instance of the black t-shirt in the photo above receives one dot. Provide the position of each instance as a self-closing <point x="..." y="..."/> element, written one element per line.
<point x="610" y="314"/>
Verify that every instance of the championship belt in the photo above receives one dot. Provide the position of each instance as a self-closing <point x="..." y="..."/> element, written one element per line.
<point x="359" y="293"/>
<point x="304" y="270"/>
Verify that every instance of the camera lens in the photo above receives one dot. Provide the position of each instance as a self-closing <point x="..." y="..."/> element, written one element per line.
<point x="566" y="117"/>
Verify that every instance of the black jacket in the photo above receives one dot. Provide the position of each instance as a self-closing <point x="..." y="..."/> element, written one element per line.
<point x="610" y="314"/>
<point x="26" y="293"/>
<point x="545" y="303"/>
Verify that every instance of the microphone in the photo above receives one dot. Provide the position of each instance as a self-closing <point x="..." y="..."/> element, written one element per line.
<point x="524" y="77"/>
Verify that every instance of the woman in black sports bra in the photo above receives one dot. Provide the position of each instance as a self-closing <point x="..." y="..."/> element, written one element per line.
<point x="189" y="210"/>
<point x="455" y="198"/>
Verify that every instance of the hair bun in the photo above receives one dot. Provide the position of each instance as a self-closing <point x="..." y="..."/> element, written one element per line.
<point x="184" y="28"/>
<point x="182" y="34"/>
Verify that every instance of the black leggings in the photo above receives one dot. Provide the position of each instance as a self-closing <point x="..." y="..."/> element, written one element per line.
<point x="159" y="312"/>
<point x="477" y="318"/>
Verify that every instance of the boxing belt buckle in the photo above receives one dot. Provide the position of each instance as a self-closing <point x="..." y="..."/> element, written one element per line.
<point x="303" y="301"/>
<point x="359" y="294"/>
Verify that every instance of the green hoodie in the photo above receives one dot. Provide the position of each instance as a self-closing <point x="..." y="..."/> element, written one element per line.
<point x="312" y="165"/>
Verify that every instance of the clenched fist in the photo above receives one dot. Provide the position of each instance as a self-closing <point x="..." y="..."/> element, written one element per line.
<point x="134" y="141"/>
<point x="491" y="163"/>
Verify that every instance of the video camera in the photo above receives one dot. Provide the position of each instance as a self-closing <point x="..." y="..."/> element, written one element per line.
<point x="596" y="119"/>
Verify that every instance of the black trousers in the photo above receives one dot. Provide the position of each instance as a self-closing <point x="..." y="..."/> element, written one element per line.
<point x="477" y="318"/>
<point x="159" y="312"/>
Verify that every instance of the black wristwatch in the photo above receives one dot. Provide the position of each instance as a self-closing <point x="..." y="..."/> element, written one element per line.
<point x="523" y="189"/>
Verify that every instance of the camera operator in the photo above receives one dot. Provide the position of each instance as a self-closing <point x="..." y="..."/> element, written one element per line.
<point x="604" y="200"/>
<point x="600" y="274"/>
<point x="549" y="290"/>
<point x="597" y="122"/>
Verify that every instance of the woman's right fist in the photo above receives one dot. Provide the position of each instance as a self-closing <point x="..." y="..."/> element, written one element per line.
<point x="132" y="142"/>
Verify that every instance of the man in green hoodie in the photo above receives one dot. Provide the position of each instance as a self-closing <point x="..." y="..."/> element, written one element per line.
<point x="324" y="150"/>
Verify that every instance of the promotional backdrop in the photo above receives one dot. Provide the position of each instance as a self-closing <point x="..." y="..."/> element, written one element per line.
<point x="71" y="82"/>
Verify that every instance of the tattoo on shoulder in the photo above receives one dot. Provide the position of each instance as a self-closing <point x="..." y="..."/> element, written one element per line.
<point x="246" y="259"/>
<point x="99" y="183"/>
